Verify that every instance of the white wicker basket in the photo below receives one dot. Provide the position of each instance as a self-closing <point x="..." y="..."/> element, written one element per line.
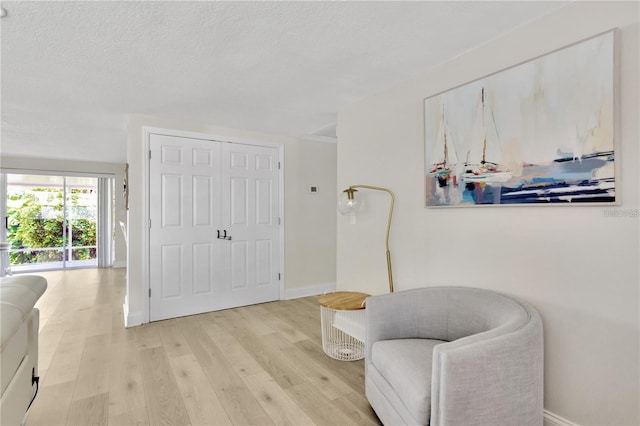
<point x="343" y="328"/>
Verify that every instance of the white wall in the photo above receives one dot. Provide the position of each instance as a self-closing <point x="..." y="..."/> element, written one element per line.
<point x="576" y="265"/>
<point x="116" y="169"/>
<point x="309" y="221"/>
<point x="311" y="226"/>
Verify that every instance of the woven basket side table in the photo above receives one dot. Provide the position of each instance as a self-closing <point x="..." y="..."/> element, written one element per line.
<point x="343" y="327"/>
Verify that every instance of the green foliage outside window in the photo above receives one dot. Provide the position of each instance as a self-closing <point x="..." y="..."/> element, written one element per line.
<point x="35" y="221"/>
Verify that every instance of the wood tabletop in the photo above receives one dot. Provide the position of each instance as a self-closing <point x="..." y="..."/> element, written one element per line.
<point x="343" y="300"/>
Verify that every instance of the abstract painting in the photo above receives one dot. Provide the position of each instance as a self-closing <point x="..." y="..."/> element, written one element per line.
<point x="538" y="133"/>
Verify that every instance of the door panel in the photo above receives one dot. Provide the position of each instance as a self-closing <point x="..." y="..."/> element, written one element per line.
<point x="202" y="200"/>
<point x="239" y="264"/>
<point x="172" y="199"/>
<point x="263" y="202"/>
<point x="239" y="193"/>
<point x="202" y="268"/>
<point x="263" y="262"/>
<point x="250" y="214"/>
<point x="171" y="155"/>
<point x="184" y="213"/>
<point x="238" y="160"/>
<point x="264" y="162"/>
<point x="171" y="278"/>
<point x="202" y="157"/>
<point x="198" y="188"/>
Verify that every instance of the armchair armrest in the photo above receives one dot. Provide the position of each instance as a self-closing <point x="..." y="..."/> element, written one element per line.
<point x="501" y="369"/>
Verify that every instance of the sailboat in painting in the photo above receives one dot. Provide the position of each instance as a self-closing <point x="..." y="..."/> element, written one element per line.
<point x="444" y="155"/>
<point x="482" y="148"/>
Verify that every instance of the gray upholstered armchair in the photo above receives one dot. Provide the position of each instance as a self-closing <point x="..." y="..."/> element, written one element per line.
<point x="454" y="356"/>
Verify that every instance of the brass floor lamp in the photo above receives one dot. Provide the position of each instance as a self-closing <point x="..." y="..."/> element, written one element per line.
<point x="349" y="205"/>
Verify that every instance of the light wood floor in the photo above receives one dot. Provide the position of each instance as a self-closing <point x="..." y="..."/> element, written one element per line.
<point x="257" y="365"/>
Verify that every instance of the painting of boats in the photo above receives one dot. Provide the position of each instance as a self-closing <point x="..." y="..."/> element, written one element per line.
<point x="538" y="133"/>
<point x="485" y="171"/>
<point x="445" y="156"/>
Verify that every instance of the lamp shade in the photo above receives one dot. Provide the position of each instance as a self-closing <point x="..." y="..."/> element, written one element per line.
<point x="349" y="204"/>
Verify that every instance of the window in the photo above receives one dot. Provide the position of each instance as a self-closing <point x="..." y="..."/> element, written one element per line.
<point x="57" y="222"/>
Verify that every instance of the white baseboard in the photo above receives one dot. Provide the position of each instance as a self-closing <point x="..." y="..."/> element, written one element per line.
<point x="119" y="264"/>
<point x="131" y="319"/>
<point x="552" y="419"/>
<point x="313" y="290"/>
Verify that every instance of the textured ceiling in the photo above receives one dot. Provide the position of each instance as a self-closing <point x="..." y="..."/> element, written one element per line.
<point x="73" y="71"/>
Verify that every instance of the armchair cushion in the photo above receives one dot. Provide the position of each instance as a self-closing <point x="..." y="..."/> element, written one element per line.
<point x="406" y="365"/>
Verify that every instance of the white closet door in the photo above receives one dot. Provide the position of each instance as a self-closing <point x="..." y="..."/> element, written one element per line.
<point x="198" y="189"/>
<point x="184" y="198"/>
<point x="250" y="194"/>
